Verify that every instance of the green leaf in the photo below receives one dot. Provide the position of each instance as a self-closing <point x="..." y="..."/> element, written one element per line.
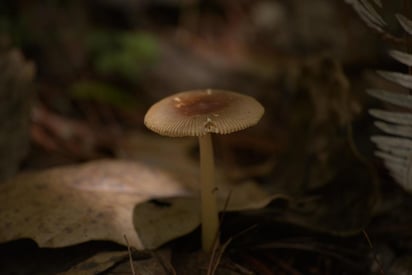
<point x="125" y="54"/>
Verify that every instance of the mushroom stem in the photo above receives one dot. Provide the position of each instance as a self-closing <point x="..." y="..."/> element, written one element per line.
<point x="209" y="211"/>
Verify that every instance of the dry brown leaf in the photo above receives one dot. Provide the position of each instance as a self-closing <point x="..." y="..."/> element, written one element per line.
<point x="168" y="154"/>
<point x="79" y="203"/>
<point x="181" y="215"/>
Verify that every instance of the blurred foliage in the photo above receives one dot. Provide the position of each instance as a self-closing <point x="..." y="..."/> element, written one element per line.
<point x="103" y="93"/>
<point x="10" y="26"/>
<point x="123" y="54"/>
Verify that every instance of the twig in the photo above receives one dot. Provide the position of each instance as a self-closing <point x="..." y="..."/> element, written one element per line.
<point x="375" y="256"/>
<point x="217" y="257"/>
<point x="130" y="255"/>
<point x="168" y="268"/>
<point x="218" y="253"/>
<point x="218" y="250"/>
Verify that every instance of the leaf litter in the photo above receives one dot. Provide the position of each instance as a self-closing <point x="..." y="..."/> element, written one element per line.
<point x="110" y="199"/>
<point x="96" y="200"/>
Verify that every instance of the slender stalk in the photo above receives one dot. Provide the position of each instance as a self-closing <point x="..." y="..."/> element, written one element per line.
<point x="209" y="211"/>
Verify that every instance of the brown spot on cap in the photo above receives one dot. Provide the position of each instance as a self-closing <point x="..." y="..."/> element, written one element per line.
<point x="199" y="112"/>
<point x="191" y="104"/>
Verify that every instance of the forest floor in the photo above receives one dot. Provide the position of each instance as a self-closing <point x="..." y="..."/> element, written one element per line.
<point x="301" y="192"/>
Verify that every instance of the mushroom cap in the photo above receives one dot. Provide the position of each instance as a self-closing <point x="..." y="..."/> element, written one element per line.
<point x="199" y="112"/>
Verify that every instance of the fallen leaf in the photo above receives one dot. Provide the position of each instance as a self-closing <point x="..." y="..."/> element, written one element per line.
<point x="158" y="223"/>
<point x="155" y="150"/>
<point x="181" y="215"/>
<point x="79" y="203"/>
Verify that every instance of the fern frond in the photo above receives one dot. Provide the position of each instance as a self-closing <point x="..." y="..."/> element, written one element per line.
<point x="403" y="173"/>
<point x="397" y="170"/>
<point x="394" y="147"/>
<point x="396" y="153"/>
<point x="371" y="12"/>
<point x="399" y="152"/>
<point x="393" y="129"/>
<point x="405" y="23"/>
<point x="394" y="117"/>
<point x="402" y="57"/>
<point x="392" y="142"/>
<point x="390" y="158"/>
<point x="402" y="100"/>
<point x="405" y="80"/>
<point x="368" y="13"/>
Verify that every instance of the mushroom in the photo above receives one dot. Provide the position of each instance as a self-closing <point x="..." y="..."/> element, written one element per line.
<point x="200" y="113"/>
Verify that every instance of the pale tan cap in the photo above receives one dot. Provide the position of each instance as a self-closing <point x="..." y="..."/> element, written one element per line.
<point x="199" y="112"/>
